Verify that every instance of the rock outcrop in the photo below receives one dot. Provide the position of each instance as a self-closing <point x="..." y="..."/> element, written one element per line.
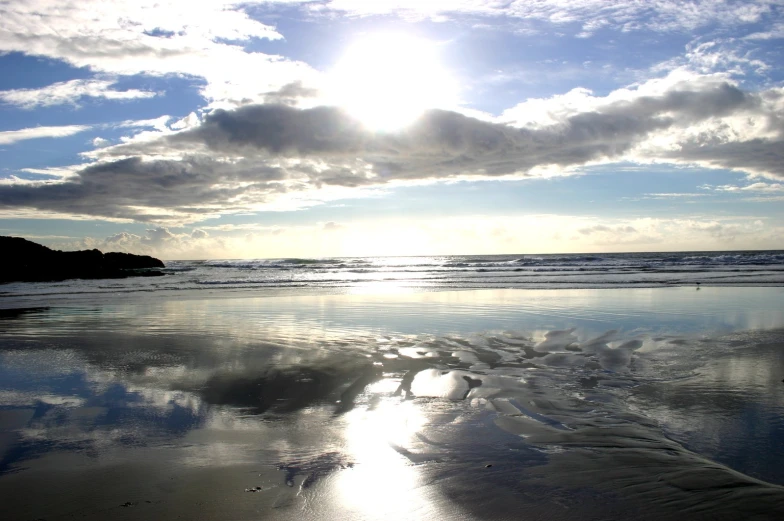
<point x="25" y="261"/>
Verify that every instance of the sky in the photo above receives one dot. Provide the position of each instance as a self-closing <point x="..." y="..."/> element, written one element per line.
<point x="296" y="128"/>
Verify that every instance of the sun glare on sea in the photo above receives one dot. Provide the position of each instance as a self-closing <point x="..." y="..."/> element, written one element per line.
<point x="388" y="80"/>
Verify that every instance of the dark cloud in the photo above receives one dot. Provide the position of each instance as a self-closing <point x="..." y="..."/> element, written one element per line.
<point x="290" y="94"/>
<point x="278" y="130"/>
<point x="444" y="144"/>
<point x="764" y="156"/>
<point x="132" y="188"/>
<point x="255" y="153"/>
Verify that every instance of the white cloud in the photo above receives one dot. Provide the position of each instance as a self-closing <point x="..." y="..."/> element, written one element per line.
<point x="142" y="130"/>
<point x="775" y="32"/>
<point x="123" y="239"/>
<point x="453" y="235"/>
<point x="8" y="137"/>
<point x="19" y="181"/>
<point x="729" y="58"/>
<point x="673" y="195"/>
<point x="190" y="121"/>
<point x="69" y="92"/>
<point x="604" y="229"/>
<point x="591" y="15"/>
<point x="331" y="225"/>
<point x="200" y="39"/>
<point x="159" y="242"/>
<point x="56" y="171"/>
<point x="764" y="187"/>
<point x="758" y="192"/>
<point x="158" y="123"/>
<point x="766" y="199"/>
<point x="754" y="187"/>
<point x="206" y="39"/>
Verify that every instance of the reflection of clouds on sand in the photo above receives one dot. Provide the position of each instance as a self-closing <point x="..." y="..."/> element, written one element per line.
<point x="452" y="385"/>
<point x="556" y="340"/>
<point x="731" y="406"/>
<point x="178" y="390"/>
<point x="103" y="398"/>
<point x="610" y="349"/>
<point x="32" y="398"/>
<point x="377" y="425"/>
<point x="76" y="405"/>
<point x="461" y="385"/>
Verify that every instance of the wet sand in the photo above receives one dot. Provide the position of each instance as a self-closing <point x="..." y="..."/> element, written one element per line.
<point x="503" y="404"/>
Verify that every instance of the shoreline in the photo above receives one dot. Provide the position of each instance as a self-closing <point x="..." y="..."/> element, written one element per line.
<point x="376" y="288"/>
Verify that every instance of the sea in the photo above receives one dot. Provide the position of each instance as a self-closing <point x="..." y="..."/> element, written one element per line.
<point x="561" y="387"/>
<point x="428" y="273"/>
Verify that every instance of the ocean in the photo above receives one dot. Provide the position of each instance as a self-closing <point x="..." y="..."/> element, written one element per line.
<point x="339" y="275"/>
<point x="566" y="387"/>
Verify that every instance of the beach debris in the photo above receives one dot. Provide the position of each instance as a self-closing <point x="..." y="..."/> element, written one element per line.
<point x="488" y="465"/>
<point x="127" y="504"/>
<point x="253" y="489"/>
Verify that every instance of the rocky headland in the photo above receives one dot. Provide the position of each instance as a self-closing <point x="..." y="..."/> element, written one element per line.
<point x="26" y="261"/>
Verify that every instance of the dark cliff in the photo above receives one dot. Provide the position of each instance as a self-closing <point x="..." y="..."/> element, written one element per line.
<point x="23" y="260"/>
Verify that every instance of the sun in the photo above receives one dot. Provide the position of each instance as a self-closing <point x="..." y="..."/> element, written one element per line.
<point x="388" y="80"/>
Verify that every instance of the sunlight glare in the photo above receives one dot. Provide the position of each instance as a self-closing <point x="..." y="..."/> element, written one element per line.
<point x="384" y="484"/>
<point x="388" y="80"/>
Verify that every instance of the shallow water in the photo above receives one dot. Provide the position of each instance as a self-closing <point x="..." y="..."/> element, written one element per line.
<point x="562" y="404"/>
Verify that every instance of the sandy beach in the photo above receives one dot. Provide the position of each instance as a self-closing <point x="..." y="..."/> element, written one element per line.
<point x="486" y="404"/>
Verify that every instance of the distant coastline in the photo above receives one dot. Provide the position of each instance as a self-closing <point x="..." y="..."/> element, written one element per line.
<point x="27" y="261"/>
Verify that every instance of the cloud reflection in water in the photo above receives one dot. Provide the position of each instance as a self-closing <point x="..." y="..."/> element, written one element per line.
<point x="372" y="424"/>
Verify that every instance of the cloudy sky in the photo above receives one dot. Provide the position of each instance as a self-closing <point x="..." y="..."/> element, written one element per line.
<point x="354" y="127"/>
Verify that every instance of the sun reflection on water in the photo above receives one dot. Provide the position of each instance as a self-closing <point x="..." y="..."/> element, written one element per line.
<point x="384" y="483"/>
